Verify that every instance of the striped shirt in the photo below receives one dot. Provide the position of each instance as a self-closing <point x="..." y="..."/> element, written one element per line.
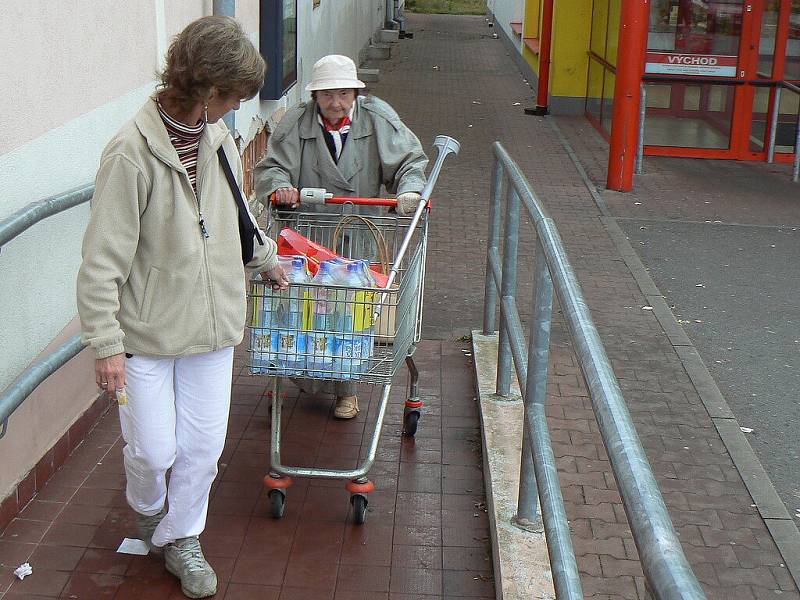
<point x="186" y="141"/>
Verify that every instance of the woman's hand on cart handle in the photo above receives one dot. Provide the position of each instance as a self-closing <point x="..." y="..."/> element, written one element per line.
<point x="408" y="203"/>
<point x="276" y="277"/>
<point x="288" y="196"/>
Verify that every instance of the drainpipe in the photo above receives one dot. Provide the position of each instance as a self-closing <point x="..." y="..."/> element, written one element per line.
<point x="226" y="8"/>
<point x="627" y="98"/>
<point x="545" y="42"/>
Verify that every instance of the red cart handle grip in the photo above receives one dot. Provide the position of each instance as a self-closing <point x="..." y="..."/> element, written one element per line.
<point x="319" y="196"/>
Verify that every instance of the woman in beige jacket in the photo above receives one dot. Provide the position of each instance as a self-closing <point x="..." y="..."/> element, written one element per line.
<point x="161" y="289"/>
<point x="351" y="145"/>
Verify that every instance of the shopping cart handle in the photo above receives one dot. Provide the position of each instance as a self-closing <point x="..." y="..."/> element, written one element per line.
<point x="321" y="196"/>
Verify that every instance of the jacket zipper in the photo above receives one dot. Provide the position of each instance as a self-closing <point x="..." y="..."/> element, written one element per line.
<point x="209" y="286"/>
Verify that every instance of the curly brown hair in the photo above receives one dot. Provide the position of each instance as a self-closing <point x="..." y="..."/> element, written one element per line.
<point x="211" y="52"/>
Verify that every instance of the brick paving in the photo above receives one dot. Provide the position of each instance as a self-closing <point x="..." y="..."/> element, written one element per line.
<point x="422" y="538"/>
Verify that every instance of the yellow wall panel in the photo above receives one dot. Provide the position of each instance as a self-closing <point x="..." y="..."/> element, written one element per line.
<point x="571" y="30"/>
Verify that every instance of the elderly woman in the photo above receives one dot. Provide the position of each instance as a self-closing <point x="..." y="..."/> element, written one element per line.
<point x="161" y="289"/>
<point x="348" y="144"/>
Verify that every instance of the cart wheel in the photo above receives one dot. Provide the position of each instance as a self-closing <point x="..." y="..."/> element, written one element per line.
<point x="359" y="502"/>
<point x="277" y="500"/>
<point x="410" y="423"/>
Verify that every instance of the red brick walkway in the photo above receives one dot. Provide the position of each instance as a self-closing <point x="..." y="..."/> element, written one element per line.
<point x="426" y="534"/>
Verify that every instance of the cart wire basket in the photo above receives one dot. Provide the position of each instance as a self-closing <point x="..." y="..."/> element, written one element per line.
<point x="348" y="327"/>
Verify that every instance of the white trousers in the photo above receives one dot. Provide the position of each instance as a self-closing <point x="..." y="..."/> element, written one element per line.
<point x="176" y="417"/>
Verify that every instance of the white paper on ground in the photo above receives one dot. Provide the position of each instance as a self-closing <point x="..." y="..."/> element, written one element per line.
<point x="133" y="546"/>
<point x="23" y="570"/>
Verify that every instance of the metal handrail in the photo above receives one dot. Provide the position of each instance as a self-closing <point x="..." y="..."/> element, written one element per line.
<point x="665" y="567"/>
<point x="19" y="389"/>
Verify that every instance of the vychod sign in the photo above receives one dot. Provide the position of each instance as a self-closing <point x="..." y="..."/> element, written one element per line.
<point x="705" y="65"/>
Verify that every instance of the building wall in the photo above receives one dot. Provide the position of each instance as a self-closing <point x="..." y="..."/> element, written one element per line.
<point x="571" y="28"/>
<point x="79" y="70"/>
<point x="570" y="42"/>
<point x="505" y="12"/>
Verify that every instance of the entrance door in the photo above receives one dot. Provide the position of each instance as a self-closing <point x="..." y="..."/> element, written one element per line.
<point x="712" y="74"/>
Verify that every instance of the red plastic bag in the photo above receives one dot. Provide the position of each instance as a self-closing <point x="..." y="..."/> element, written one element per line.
<point x="290" y="242"/>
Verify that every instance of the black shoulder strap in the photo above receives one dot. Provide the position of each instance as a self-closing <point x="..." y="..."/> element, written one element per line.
<point x="244" y="214"/>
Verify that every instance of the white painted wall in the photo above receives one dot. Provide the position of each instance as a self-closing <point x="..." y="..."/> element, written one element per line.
<point x="75" y="71"/>
<point x="506" y="11"/>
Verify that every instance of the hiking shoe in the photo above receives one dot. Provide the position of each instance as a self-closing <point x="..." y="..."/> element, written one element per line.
<point x="346" y="407"/>
<point x="147" y="525"/>
<point x="184" y="559"/>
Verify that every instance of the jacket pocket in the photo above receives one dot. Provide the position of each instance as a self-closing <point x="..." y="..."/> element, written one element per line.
<point x="149" y="294"/>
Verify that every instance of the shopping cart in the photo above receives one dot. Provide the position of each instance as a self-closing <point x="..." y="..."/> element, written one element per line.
<point x="356" y="332"/>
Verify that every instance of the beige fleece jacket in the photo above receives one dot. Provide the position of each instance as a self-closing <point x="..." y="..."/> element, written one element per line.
<point x="150" y="283"/>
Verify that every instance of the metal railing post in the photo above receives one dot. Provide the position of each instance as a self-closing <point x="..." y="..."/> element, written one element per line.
<point x="773" y="123"/>
<point x="492" y="242"/>
<point x="508" y="289"/>
<point x="640" y="141"/>
<point x="536" y="385"/>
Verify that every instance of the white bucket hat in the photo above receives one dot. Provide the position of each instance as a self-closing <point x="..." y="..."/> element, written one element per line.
<point x="334" y="72"/>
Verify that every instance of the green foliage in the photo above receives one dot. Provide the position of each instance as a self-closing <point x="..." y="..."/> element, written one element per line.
<point x="449" y="7"/>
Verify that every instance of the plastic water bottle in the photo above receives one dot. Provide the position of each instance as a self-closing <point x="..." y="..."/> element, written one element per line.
<point x="324" y="322"/>
<point x="263" y="352"/>
<point x="365" y="313"/>
<point x="289" y="338"/>
<point x="349" y="344"/>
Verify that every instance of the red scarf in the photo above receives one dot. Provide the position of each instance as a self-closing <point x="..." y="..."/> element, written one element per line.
<point x="343" y="122"/>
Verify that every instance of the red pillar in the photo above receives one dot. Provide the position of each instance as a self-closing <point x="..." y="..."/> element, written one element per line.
<point x="630" y="66"/>
<point x="545" y="41"/>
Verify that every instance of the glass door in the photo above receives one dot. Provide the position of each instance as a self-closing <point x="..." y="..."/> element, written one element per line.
<point x="716" y="75"/>
<point x="700" y="57"/>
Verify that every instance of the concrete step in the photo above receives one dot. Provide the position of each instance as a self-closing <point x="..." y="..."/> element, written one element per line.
<point x="378" y="52"/>
<point x="388" y="36"/>
<point x="369" y="75"/>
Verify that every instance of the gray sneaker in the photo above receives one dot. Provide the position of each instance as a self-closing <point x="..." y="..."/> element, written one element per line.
<point x="147" y="525"/>
<point x="184" y="559"/>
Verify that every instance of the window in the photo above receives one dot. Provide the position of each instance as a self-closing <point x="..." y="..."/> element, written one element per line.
<point x="278" y="45"/>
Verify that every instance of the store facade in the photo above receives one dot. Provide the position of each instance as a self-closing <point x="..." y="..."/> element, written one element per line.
<point x="719" y="79"/>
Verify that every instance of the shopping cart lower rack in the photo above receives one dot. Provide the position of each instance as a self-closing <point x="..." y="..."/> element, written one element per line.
<point x="352" y="331"/>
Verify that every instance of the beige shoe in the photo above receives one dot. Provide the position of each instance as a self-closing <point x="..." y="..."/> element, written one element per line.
<point x="346" y="407"/>
<point x="184" y="559"/>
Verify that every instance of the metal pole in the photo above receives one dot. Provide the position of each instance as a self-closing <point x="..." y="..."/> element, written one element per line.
<point x="492" y="241"/>
<point x="22" y="387"/>
<point x="773" y="123"/>
<point x="642" y="114"/>
<point x="796" y="162"/>
<point x="508" y="289"/>
<point x="226" y="8"/>
<point x="663" y="561"/>
<point x="29" y="215"/>
<point x="536" y="384"/>
<point x="633" y="25"/>
<point x="546" y="40"/>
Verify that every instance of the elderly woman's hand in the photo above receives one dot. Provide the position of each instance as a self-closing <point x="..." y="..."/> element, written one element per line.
<point x="407" y="203"/>
<point x="287" y="197"/>
<point x="109" y="373"/>
<point x="277" y="277"/>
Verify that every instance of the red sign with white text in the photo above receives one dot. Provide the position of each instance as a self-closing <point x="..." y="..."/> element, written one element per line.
<point x="704" y="65"/>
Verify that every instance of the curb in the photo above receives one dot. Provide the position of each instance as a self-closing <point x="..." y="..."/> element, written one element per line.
<point x="777" y="519"/>
<point x="519" y="557"/>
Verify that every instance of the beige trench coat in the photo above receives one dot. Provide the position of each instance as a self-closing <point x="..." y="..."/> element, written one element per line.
<point x="379" y="149"/>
